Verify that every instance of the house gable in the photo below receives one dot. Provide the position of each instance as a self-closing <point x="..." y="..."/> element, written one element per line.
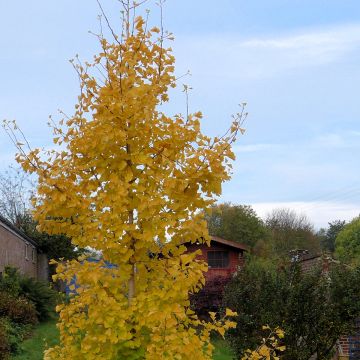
<point x="20" y="251"/>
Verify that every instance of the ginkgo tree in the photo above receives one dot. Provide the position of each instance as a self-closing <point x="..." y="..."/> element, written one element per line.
<point x="132" y="183"/>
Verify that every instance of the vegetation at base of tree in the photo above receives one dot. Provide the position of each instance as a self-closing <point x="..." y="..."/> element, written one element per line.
<point x="222" y="349"/>
<point x="270" y="348"/>
<point x="209" y="298"/>
<point x="313" y="308"/>
<point x="238" y="223"/>
<point x="38" y="293"/>
<point x="44" y="335"/>
<point x="23" y="303"/>
<point x="347" y="244"/>
<point x="11" y="336"/>
<point x="128" y="181"/>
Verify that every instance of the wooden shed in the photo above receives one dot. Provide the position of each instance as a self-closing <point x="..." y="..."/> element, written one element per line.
<point x="224" y="257"/>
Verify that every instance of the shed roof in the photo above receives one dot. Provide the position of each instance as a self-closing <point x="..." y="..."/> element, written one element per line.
<point x="230" y="243"/>
<point x="6" y="224"/>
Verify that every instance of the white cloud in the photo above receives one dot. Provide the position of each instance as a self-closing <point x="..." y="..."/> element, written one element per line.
<point x="346" y="139"/>
<point x="234" y="57"/>
<point x="320" y="213"/>
<point x="254" y="147"/>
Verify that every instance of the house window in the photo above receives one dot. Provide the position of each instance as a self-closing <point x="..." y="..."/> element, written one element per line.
<point x="26" y="251"/>
<point x="33" y="255"/>
<point x="218" y="259"/>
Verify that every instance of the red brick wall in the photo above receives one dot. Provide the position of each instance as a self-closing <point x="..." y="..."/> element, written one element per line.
<point x="343" y="348"/>
<point x="17" y="253"/>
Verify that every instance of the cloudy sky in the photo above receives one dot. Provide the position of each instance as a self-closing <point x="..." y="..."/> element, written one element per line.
<point x="295" y="62"/>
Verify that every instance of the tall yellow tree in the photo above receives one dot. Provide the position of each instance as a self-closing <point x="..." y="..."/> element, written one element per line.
<point x="132" y="183"/>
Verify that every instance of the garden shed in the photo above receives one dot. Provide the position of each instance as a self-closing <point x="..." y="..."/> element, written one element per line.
<point x="224" y="257"/>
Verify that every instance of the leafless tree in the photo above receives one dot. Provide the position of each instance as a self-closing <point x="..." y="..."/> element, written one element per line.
<point x="16" y="190"/>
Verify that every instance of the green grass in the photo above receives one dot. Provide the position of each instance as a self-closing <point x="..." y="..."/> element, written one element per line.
<point x="45" y="335"/>
<point x="222" y="350"/>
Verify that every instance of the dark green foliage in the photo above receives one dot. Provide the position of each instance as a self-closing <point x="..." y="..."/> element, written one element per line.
<point x="10" y="281"/>
<point x="41" y="295"/>
<point x="38" y="293"/>
<point x="237" y="223"/>
<point x="328" y="236"/>
<point x="5" y="346"/>
<point x="54" y="246"/>
<point x="314" y="309"/>
<point x="23" y="301"/>
<point x="11" y="336"/>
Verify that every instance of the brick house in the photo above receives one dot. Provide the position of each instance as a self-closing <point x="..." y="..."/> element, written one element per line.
<point x="20" y="251"/>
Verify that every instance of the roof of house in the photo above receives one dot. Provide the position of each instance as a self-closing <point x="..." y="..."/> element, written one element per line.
<point x="308" y="257"/>
<point x="230" y="243"/>
<point x="6" y="224"/>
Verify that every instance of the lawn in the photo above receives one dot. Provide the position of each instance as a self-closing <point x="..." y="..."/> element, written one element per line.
<point x="46" y="334"/>
<point x="222" y="350"/>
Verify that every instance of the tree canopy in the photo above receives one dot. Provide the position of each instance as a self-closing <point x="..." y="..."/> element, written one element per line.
<point x="347" y="243"/>
<point x="237" y="223"/>
<point x="130" y="181"/>
<point x="328" y="236"/>
<point x="289" y="231"/>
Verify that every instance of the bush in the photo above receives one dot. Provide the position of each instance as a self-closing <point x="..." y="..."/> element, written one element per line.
<point x="10" y="281"/>
<point x="5" y="347"/>
<point x="11" y="336"/>
<point x="41" y="295"/>
<point x="18" y="310"/>
<point x="209" y="298"/>
<point x="314" y="309"/>
<point x="37" y="292"/>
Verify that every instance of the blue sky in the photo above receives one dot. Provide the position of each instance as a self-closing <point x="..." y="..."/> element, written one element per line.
<point x="295" y="62"/>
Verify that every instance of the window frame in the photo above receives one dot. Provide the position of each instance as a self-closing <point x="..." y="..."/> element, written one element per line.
<point x="33" y="255"/>
<point x="225" y="260"/>
<point x="27" y="251"/>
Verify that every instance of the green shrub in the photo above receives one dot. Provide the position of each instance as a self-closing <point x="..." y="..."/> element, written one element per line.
<point x="5" y="347"/>
<point x="38" y="292"/>
<point x="313" y="308"/>
<point x="41" y="295"/>
<point x="10" y="281"/>
<point x="11" y="336"/>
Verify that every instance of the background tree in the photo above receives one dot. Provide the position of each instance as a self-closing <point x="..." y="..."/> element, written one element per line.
<point x="312" y="311"/>
<point x="16" y="190"/>
<point x="237" y="223"/>
<point x="289" y="231"/>
<point x="328" y="236"/>
<point x="347" y="244"/>
<point x="130" y="181"/>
